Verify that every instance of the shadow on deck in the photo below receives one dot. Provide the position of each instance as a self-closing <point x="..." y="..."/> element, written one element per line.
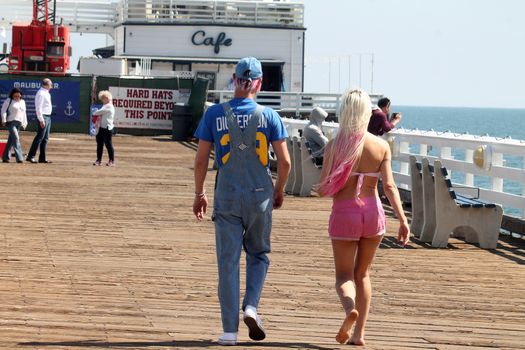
<point x="101" y="257"/>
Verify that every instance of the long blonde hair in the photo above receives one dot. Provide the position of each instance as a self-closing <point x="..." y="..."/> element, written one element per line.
<point x="347" y="147"/>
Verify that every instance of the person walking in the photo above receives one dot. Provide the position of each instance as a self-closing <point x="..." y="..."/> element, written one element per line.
<point x="241" y="131"/>
<point x="13" y="114"/>
<point x="103" y="119"/>
<point x="43" y="109"/>
<point x="354" y="160"/>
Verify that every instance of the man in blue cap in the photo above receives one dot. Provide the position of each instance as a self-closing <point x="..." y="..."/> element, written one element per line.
<point x="241" y="131"/>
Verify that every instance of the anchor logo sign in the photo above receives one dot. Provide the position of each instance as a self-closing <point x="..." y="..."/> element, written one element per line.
<point x="69" y="111"/>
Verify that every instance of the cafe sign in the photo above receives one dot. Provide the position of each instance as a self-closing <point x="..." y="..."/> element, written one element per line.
<point x="200" y="38"/>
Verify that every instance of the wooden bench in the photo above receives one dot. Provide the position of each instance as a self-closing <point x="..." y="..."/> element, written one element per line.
<point x="416" y="195"/>
<point x="293" y="185"/>
<point x="470" y="218"/>
<point x="429" y="201"/>
<point x="304" y="173"/>
<point x="288" y="188"/>
<point x="422" y="198"/>
<point x="311" y="171"/>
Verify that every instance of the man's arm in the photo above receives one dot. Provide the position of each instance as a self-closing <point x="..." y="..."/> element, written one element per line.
<point x="200" y="203"/>
<point x="283" y="169"/>
<point x="386" y="125"/>
<point x="39" y="103"/>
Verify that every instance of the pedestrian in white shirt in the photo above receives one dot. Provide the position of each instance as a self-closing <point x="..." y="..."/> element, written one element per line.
<point x="13" y="114"/>
<point x="103" y="118"/>
<point x="43" y="109"/>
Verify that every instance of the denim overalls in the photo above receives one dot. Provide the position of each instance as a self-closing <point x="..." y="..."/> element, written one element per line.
<point x="242" y="214"/>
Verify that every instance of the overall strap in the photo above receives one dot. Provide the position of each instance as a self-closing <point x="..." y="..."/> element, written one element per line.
<point x="238" y="138"/>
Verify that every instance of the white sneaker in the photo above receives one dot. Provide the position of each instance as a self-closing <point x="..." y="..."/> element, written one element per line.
<point x="228" y="338"/>
<point x="254" y="323"/>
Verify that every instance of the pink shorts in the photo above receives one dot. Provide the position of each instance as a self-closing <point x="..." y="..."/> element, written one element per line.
<point x="351" y="221"/>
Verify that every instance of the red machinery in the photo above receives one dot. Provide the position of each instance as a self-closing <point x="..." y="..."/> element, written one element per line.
<point x="43" y="45"/>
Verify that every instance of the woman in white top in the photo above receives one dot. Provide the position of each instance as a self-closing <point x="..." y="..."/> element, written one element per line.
<point x="103" y="118"/>
<point x="14" y="115"/>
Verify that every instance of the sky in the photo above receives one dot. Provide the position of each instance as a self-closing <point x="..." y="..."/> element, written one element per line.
<point x="464" y="53"/>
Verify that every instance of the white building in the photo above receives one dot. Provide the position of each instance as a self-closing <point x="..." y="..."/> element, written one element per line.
<point x="196" y="37"/>
<point x="188" y="37"/>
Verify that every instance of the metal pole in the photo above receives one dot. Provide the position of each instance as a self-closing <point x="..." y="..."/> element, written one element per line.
<point x="329" y="74"/>
<point x="372" y="79"/>
<point x="360" y="70"/>
<point x="339" y="73"/>
<point x="349" y="71"/>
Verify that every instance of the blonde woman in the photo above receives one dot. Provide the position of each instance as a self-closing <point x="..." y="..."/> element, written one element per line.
<point x="103" y="118"/>
<point x="13" y="114"/>
<point x="353" y="162"/>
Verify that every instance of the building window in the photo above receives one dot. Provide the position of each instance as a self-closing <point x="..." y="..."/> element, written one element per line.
<point x="184" y="67"/>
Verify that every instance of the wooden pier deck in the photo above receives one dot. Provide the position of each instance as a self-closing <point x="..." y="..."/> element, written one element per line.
<point x="112" y="258"/>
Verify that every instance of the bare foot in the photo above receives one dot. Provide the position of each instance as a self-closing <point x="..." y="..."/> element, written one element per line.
<point x="358" y="342"/>
<point x="344" y="332"/>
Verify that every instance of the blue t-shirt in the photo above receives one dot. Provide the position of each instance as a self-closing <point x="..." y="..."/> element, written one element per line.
<point x="213" y="127"/>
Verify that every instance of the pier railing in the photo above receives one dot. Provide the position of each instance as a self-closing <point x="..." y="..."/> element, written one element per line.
<point x="100" y="16"/>
<point x="97" y="16"/>
<point x="293" y="104"/>
<point x="258" y="13"/>
<point x="495" y="166"/>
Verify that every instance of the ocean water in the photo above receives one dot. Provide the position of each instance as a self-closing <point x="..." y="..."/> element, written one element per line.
<point x="495" y="122"/>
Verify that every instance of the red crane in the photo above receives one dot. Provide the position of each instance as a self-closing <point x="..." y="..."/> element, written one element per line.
<point x="43" y="45"/>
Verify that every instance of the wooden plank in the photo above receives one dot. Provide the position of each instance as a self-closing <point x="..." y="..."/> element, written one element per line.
<point x="100" y="257"/>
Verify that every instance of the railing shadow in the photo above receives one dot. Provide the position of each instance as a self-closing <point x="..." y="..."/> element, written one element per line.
<point x="511" y="248"/>
<point x="170" y="343"/>
<point x="390" y="242"/>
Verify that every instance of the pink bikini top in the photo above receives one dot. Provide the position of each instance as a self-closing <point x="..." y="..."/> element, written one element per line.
<point x="360" y="182"/>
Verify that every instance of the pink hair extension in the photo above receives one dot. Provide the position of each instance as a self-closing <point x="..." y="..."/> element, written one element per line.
<point x="246" y="85"/>
<point x="348" y="144"/>
<point x="344" y="154"/>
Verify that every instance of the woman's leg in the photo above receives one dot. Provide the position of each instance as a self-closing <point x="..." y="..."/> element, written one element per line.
<point x="344" y="257"/>
<point x="18" y="146"/>
<point x="11" y="141"/>
<point x="109" y="145"/>
<point x="365" y="254"/>
<point x="100" y="144"/>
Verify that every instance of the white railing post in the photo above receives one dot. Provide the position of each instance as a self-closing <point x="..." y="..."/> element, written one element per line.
<point x="423" y="149"/>
<point x="337" y="104"/>
<point x="497" y="183"/>
<point x="446" y="153"/>
<point x="469" y="158"/>
<point x="404" y="149"/>
<point x="298" y="103"/>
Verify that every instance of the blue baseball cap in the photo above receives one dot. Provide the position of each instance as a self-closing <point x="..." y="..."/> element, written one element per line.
<point x="248" y="68"/>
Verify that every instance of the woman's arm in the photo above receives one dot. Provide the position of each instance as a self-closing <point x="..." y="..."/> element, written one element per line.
<point x="100" y="112"/>
<point x="392" y="193"/>
<point x="3" y="111"/>
<point x="24" y="114"/>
